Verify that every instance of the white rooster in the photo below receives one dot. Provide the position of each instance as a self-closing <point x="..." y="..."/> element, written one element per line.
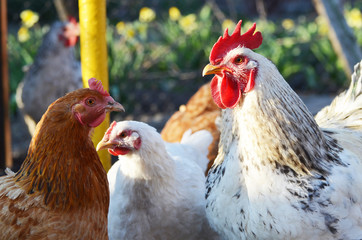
<point x="157" y="189"/>
<point x="54" y="72"/>
<point x="278" y="174"/>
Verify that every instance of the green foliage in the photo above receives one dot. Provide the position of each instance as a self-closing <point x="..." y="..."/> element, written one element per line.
<point x="167" y="55"/>
<point x="303" y="55"/>
<point x="160" y="56"/>
<point x="21" y="56"/>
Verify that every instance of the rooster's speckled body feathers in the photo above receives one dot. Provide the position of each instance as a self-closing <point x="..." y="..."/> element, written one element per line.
<point x="278" y="174"/>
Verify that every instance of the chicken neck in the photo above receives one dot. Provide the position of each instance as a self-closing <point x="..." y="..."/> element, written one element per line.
<point x="149" y="164"/>
<point x="63" y="166"/>
<point x="274" y="128"/>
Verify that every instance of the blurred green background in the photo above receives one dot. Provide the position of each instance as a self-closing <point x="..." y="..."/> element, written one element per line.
<point x="157" y="48"/>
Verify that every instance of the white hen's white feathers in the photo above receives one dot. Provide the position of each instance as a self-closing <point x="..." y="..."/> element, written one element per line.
<point x="157" y="192"/>
<point x="278" y="175"/>
<point x="193" y="146"/>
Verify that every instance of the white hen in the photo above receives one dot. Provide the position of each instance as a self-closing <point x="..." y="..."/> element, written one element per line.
<point x="279" y="174"/>
<point x="157" y="189"/>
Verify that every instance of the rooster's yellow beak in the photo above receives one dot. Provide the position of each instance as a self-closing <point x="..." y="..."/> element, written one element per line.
<point x="211" y="69"/>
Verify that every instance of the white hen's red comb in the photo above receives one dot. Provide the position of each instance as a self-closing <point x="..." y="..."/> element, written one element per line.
<point x="94" y="84"/>
<point x="109" y="130"/>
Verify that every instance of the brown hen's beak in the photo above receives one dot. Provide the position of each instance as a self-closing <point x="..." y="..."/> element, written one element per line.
<point x="114" y="107"/>
<point x="212" y="69"/>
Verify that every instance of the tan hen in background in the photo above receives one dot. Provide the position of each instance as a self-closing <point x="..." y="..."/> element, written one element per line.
<point x="200" y="112"/>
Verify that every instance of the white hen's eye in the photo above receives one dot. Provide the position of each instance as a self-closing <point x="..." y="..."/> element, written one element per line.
<point x="123" y="134"/>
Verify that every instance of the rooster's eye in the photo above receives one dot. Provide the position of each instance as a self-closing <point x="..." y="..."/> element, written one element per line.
<point x="90" y="101"/>
<point x="238" y="60"/>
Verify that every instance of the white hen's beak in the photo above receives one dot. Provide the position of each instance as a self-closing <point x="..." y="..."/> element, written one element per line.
<point x="106" y="144"/>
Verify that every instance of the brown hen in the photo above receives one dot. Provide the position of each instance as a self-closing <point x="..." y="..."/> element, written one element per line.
<point x="61" y="190"/>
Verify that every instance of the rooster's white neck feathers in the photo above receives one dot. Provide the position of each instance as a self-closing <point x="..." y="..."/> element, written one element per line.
<point x="265" y="122"/>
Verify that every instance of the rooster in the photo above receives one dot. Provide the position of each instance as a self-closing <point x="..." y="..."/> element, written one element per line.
<point x="157" y="189"/>
<point x="61" y="190"/>
<point x="54" y="73"/>
<point x="278" y="174"/>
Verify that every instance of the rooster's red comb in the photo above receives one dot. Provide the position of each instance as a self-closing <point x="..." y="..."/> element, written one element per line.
<point x="94" y="84"/>
<point x="250" y="39"/>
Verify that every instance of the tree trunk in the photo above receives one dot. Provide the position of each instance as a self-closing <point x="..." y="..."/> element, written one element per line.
<point x="340" y="34"/>
<point x="66" y="9"/>
<point x="260" y="8"/>
<point x="5" y="134"/>
<point x="62" y="12"/>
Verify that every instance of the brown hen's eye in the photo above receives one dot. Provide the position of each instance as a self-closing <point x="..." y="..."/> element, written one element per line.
<point x="90" y="101"/>
<point x="238" y="60"/>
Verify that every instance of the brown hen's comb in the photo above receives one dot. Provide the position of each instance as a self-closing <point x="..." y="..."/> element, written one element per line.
<point x="94" y="84"/>
<point x="250" y="39"/>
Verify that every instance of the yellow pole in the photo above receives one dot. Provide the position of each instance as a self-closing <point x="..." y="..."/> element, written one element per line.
<point x="93" y="53"/>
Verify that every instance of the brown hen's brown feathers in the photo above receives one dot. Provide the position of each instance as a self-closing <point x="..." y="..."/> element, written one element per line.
<point x="199" y="113"/>
<point x="61" y="190"/>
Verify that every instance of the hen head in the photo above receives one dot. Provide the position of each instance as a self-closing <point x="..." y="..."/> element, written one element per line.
<point x="69" y="33"/>
<point x="87" y="106"/>
<point x="234" y="66"/>
<point x="120" y="139"/>
<point x="91" y="105"/>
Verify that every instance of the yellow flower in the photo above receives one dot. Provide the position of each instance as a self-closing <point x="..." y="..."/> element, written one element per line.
<point x="188" y="23"/>
<point x="147" y="15"/>
<point x="130" y="33"/>
<point x="354" y="18"/>
<point x="228" y="24"/>
<point x="121" y="27"/>
<point x="23" y="34"/>
<point x="322" y="26"/>
<point x="29" y="18"/>
<point x="125" y="29"/>
<point x="142" y="29"/>
<point x="288" y="24"/>
<point x="174" y="13"/>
